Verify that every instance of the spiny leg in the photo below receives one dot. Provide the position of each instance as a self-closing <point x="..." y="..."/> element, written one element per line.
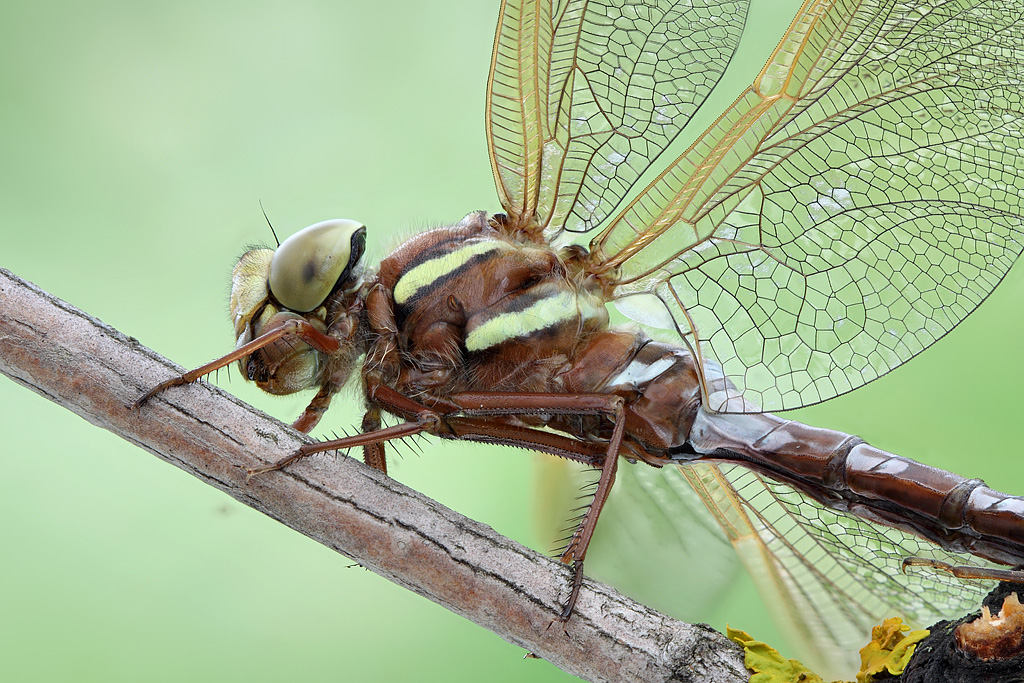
<point x="374" y="453"/>
<point x="1015" y="575"/>
<point x="455" y="420"/>
<point x="496" y="403"/>
<point x="299" y="329"/>
<point x="373" y="438"/>
<point x="378" y="436"/>
<point x="577" y="549"/>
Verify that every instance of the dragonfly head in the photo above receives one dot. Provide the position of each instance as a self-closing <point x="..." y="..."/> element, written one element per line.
<point x="316" y="275"/>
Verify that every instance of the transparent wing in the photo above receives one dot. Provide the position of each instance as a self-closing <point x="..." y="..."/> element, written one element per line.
<point x="831" y="575"/>
<point x="655" y="535"/>
<point x="851" y="207"/>
<point x="583" y="95"/>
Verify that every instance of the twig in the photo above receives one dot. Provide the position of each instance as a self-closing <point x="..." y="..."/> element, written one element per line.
<point x="78" y="362"/>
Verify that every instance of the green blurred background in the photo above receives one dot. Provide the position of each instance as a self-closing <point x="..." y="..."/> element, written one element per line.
<point x="136" y="140"/>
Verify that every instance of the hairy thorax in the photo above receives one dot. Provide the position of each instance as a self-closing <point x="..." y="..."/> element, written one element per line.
<point x="469" y="308"/>
<point x="474" y="310"/>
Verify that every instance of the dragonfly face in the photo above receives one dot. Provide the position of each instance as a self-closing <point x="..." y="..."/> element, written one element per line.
<point x="307" y="274"/>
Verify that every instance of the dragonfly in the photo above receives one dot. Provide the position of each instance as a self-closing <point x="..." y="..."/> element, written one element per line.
<point x="849" y="209"/>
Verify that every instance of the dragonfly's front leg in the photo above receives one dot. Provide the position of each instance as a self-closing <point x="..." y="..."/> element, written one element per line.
<point x="297" y="329"/>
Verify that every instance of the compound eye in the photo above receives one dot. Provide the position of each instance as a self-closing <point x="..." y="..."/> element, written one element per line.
<point x="313" y="262"/>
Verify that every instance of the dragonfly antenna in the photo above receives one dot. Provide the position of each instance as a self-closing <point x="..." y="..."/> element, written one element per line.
<point x="272" y="231"/>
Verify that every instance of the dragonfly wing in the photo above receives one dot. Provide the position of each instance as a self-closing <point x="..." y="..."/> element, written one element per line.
<point x="851" y="207"/>
<point x="654" y="534"/>
<point x="582" y="96"/>
<point x="830" y="576"/>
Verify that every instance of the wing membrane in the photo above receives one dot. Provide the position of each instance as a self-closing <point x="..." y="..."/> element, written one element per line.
<point x="582" y="96"/>
<point x="517" y="102"/>
<point x="659" y="543"/>
<point x="852" y="206"/>
<point x="832" y="575"/>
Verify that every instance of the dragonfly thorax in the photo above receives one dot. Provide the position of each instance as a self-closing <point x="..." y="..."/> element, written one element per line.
<point x="474" y="308"/>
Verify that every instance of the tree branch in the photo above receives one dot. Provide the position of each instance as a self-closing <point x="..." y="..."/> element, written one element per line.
<point x="78" y="362"/>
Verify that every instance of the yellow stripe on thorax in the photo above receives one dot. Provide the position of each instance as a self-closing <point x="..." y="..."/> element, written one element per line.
<point x="432" y="270"/>
<point x="546" y="312"/>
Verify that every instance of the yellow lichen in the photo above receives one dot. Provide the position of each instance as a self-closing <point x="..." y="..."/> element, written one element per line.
<point x="767" y="665"/>
<point x="892" y="644"/>
<point x="891" y="647"/>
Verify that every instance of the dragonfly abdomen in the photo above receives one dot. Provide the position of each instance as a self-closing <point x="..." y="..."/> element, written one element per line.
<point x="842" y="472"/>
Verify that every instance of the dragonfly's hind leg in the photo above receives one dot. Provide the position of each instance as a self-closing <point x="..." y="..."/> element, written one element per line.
<point x="576" y="549"/>
<point x="485" y="404"/>
<point x="962" y="571"/>
<point x="490" y="417"/>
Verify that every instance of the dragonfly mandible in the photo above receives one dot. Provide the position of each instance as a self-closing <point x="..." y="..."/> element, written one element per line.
<point x="850" y="209"/>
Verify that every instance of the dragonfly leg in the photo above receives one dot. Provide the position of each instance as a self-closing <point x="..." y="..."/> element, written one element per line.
<point x="576" y="550"/>
<point x="436" y="420"/>
<point x="311" y="415"/>
<point x="503" y="433"/>
<point x="464" y="416"/>
<point x="420" y="418"/>
<point x="471" y="417"/>
<point x="374" y="454"/>
<point x="496" y="403"/>
<point x="961" y="571"/>
<point x="298" y="329"/>
<point x="574" y="592"/>
<point x="427" y="423"/>
<point x="455" y="422"/>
